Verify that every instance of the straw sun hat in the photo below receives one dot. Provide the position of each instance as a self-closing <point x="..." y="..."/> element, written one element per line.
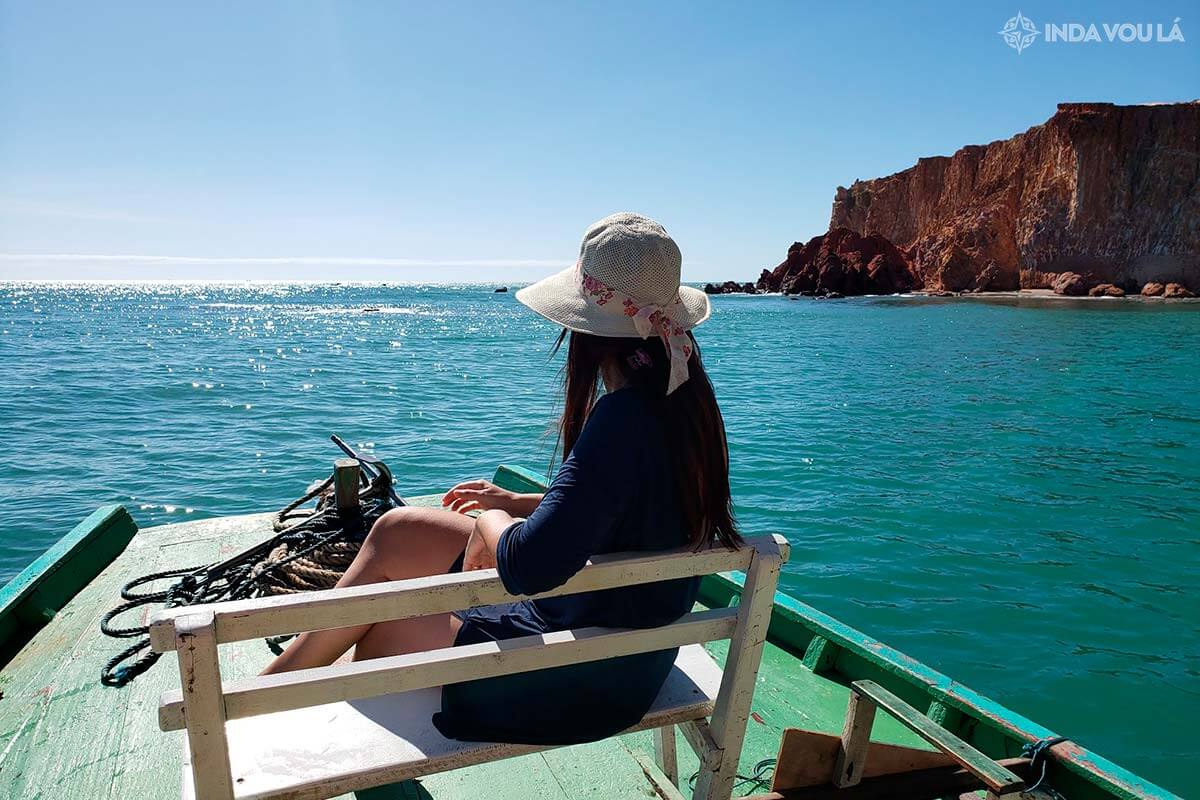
<point x="625" y="284"/>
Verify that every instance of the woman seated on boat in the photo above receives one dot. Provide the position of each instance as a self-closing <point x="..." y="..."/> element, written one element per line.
<point x="646" y="467"/>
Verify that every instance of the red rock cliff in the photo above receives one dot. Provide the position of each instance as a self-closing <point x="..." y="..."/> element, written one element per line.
<point x="1109" y="191"/>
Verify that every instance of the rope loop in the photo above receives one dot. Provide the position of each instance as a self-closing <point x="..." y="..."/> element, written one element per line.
<point x="310" y="549"/>
<point x="1039" y="752"/>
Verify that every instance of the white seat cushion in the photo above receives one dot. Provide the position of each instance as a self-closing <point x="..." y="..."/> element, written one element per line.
<point x="327" y="750"/>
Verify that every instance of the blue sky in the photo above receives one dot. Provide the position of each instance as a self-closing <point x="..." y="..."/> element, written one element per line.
<point x="475" y="141"/>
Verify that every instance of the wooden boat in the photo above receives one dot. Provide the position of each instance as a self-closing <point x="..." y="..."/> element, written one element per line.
<point x="64" y="735"/>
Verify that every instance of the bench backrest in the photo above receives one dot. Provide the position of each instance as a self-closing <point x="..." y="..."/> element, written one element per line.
<point x="205" y="703"/>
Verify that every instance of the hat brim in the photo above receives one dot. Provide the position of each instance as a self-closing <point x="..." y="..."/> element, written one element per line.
<point x="561" y="299"/>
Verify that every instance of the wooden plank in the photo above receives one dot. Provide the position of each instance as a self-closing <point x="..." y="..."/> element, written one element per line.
<point x="660" y="785"/>
<point x="31" y="599"/>
<point x="345" y="485"/>
<point x="922" y="784"/>
<point x="732" y="710"/>
<point x="851" y="758"/>
<point x="995" y="777"/>
<point x="664" y="753"/>
<point x="200" y="675"/>
<point x="362" y="679"/>
<point x="820" y="655"/>
<point x="519" y="479"/>
<point x="440" y="594"/>
<point x="809" y="758"/>
<point x="698" y="735"/>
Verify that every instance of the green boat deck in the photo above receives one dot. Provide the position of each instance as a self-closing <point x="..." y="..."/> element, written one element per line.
<point x="63" y="735"/>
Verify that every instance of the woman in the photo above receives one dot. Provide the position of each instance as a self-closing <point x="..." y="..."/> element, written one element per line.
<point x="645" y="468"/>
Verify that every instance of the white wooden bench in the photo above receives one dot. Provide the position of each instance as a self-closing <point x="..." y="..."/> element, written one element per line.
<point x="317" y="733"/>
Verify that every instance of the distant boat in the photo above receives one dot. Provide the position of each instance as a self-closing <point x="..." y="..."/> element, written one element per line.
<point x="502" y="289"/>
<point x="63" y="729"/>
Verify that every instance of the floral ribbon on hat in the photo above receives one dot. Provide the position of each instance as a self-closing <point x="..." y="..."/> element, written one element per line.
<point x="649" y="319"/>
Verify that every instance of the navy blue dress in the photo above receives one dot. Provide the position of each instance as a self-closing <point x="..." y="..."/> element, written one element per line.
<point x="614" y="492"/>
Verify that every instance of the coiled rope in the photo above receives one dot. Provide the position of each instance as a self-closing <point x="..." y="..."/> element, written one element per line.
<point x="310" y="550"/>
<point x="1039" y="752"/>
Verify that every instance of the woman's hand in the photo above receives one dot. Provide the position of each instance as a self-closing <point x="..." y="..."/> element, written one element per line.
<point x="481" y="495"/>
<point x="485" y="534"/>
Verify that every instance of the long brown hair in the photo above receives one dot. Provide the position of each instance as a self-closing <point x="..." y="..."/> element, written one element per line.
<point x="691" y="419"/>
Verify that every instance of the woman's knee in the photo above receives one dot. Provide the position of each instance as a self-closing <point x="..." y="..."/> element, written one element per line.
<point x="398" y="523"/>
<point x="394" y="521"/>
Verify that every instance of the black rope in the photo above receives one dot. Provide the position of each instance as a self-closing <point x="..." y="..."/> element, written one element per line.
<point x="758" y="779"/>
<point x="1039" y="751"/>
<point x="247" y="573"/>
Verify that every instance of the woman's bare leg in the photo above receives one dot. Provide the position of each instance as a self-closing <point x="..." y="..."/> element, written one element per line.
<point x="406" y="542"/>
<point x="407" y="636"/>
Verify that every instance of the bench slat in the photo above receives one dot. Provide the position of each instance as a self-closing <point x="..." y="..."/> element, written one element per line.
<point x="291" y="690"/>
<point x="238" y="620"/>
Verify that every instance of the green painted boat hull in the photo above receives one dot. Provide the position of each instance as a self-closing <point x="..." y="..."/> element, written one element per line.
<point x="31" y="599"/>
<point x="810" y="661"/>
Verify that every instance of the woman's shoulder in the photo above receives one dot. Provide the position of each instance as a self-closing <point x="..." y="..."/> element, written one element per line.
<point x="622" y="422"/>
<point x="626" y="406"/>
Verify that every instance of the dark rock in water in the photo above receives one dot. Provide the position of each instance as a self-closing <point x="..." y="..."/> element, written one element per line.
<point x="500" y="289"/>
<point x="1106" y="290"/>
<point x="1153" y="289"/>
<point x="1098" y="189"/>
<point x="842" y="262"/>
<point x="730" y="287"/>
<point x="1071" y="284"/>
<point x="370" y="308"/>
<point x="1177" y="290"/>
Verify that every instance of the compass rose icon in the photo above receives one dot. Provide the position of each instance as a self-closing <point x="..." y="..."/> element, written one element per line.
<point x="1019" y="32"/>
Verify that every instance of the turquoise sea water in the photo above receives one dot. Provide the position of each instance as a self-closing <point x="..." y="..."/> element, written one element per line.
<point x="1006" y="490"/>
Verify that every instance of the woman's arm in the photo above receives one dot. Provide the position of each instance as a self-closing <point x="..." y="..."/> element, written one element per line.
<point x="482" y="495"/>
<point x="524" y="504"/>
<point x="582" y="508"/>
<point x="481" y="546"/>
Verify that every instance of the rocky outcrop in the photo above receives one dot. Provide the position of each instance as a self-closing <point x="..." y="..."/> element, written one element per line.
<point x="841" y="263"/>
<point x="1070" y="284"/>
<point x="730" y="287"/>
<point x="1110" y="193"/>
<point x="1153" y="289"/>
<point x="1176" y="290"/>
<point x="1106" y="290"/>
